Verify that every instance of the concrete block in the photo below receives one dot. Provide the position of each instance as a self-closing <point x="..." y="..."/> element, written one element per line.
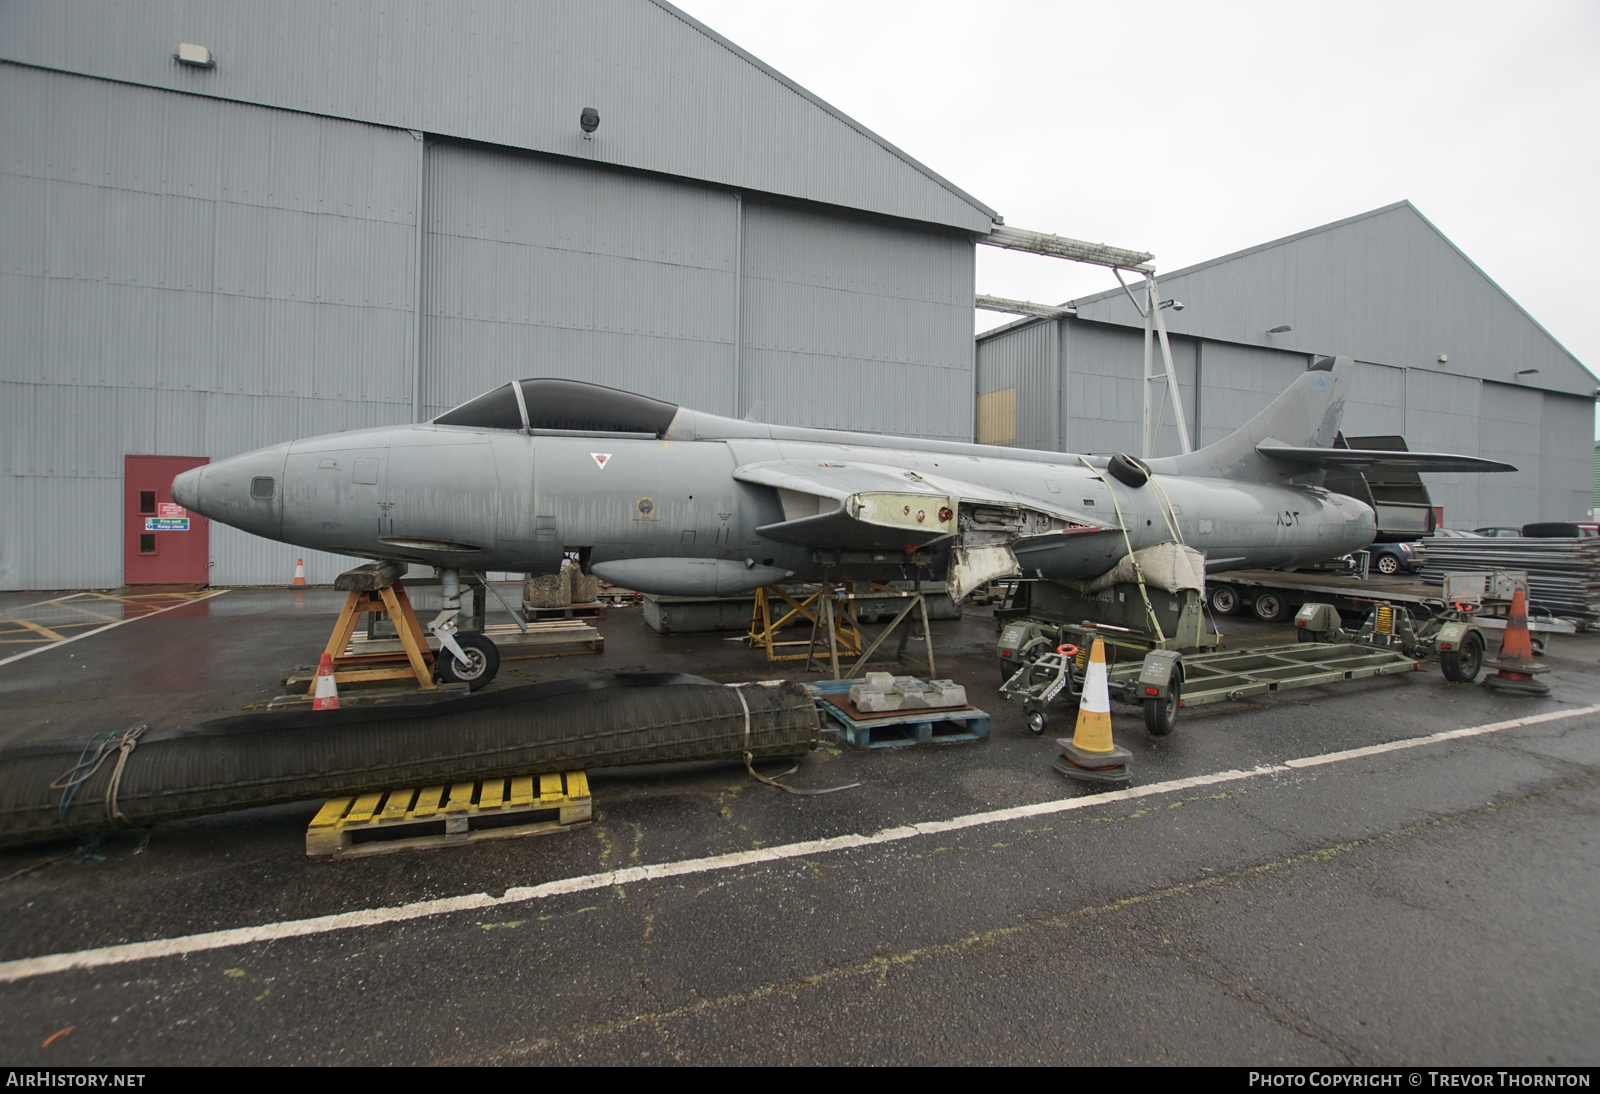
<point x="875" y="702"/>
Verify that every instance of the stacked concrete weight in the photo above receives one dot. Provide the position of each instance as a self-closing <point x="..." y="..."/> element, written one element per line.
<point x="560" y="590"/>
<point x="882" y="692"/>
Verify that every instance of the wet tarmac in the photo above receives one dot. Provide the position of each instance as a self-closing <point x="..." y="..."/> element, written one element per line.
<point x="1430" y="904"/>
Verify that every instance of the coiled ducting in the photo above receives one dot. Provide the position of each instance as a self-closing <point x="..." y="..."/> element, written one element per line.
<point x="284" y="756"/>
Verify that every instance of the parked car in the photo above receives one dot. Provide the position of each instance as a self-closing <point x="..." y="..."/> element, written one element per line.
<point x="1454" y="533"/>
<point x="1391" y="558"/>
<point x="1499" y="533"/>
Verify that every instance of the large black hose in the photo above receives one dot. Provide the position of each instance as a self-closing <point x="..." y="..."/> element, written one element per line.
<point x="283" y="756"/>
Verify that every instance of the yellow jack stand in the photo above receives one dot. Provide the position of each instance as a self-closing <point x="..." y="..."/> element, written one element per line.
<point x="844" y="634"/>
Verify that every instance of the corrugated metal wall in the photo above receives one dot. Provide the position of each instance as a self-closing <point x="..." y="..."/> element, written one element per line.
<point x="856" y="324"/>
<point x="1434" y="411"/>
<point x="542" y="267"/>
<point x="673" y="97"/>
<point x="1384" y="286"/>
<point x="182" y="276"/>
<point x="1026" y="358"/>
<point x="185" y="276"/>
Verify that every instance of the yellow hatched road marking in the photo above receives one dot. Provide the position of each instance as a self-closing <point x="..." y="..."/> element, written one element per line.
<point x="46" y="631"/>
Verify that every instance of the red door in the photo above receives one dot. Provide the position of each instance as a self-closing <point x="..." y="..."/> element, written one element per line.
<point x="162" y="543"/>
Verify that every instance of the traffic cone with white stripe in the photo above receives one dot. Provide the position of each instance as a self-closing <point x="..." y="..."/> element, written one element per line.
<point x="299" y="571"/>
<point x="1092" y="756"/>
<point x="327" y="693"/>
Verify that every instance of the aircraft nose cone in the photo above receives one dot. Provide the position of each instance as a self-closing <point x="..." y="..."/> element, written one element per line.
<point x="186" y="488"/>
<point x="245" y="491"/>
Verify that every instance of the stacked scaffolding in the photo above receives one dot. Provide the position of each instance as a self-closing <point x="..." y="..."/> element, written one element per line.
<point x="1563" y="574"/>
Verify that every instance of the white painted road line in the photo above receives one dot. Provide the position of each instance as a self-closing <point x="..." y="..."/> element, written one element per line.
<point x="23" y="968"/>
<point x="107" y="627"/>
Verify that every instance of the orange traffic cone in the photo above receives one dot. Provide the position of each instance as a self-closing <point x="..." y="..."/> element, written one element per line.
<point x="299" y="571"/>
<point x="327" y="693"/>
<point x="1092" y="756"/>
<point x="1516" y="664"/>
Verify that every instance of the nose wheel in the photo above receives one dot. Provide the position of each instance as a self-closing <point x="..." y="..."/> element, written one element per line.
<point x="483" y="661"/>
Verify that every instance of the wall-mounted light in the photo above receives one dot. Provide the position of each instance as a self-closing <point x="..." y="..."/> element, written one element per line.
<point x="1444" y="358"/>
<point x="1175" y="305"/>
<point x="194" y="56"/>
<point x="1527" y="372"/>
<point x="589" y="121"/>
<point x="1285" y="329"/>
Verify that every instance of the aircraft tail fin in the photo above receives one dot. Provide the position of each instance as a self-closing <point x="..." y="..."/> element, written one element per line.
<point x="1306" y="415"/>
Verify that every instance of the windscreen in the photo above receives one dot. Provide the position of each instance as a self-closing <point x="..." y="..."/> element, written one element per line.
<point x="572" y="404"/>
<point x="495" y="410"/>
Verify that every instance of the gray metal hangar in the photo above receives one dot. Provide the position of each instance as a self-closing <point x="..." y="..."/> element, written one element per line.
<point x="1447" y="360"/>
<point x="232" y="223"/>
<point x="227" y="224"/>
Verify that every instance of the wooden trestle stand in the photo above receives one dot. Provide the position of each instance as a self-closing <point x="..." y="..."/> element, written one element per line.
<point x="376" y="587"/>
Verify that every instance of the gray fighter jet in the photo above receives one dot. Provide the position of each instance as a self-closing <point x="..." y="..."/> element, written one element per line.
<point x="663" y="499"/>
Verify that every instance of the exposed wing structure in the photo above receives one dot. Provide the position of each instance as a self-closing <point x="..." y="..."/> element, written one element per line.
<point x="1365" y="459"/>
<point x="875" y="507"/>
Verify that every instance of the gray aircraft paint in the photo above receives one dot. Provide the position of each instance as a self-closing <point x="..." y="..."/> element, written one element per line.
<point x="720" y="506"/>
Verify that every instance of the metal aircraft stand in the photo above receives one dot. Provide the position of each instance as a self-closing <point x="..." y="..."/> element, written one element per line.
<point x="844" y="634"/>
<point x="835" y="618"/>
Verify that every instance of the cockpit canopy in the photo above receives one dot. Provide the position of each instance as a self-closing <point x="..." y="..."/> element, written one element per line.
<point x="563" y="405"/>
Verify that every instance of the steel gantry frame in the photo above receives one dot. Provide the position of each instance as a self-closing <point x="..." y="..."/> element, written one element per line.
<point x="1117" y="259"/>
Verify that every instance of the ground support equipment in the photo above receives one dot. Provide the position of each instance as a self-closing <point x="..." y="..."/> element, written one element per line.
<point x="835" y="624"/>
<point x="447" y="816"/>
<point x="899" y="729"/>
<point x="1164" y="681"/>
<point x="376" y="587"/>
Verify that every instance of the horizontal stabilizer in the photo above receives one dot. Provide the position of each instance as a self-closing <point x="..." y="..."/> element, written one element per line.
<point x="1368" y="459"/>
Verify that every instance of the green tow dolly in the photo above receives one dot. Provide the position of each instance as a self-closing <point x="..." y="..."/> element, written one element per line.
<point x="1447" y="635"/>
<point x="1040" y="667"/>
<point x="1037" y="669"/>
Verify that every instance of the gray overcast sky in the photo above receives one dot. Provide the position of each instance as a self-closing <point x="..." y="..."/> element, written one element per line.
<point x="1191" y="130"/>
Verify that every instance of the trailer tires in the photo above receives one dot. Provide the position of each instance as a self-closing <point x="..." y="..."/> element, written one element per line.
<point x="1161" y="715"/>
<point x="1038" y="720"/>
<point x="1224" y="599"/>
<point x="1271" y="607"/>
<point x="1462" y="666"/>
<point x="483" y="661"/>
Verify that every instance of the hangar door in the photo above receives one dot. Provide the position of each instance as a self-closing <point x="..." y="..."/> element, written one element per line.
<point x="538" y="266"/>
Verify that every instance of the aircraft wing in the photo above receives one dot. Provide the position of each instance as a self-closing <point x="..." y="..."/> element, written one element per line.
<point x="1367" y="459"/>
<point x="874" y="507"/>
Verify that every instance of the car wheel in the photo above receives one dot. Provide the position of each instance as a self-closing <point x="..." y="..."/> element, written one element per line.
<point x="483" y="661"/>
<point x="1388" y="564"/>
<point x="1224" y="599"/>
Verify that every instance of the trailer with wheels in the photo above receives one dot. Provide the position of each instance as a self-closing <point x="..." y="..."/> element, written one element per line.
<point x="1164" y="682"/>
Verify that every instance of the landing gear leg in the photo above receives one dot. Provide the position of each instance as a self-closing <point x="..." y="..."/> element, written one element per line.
<point x="470" y="659"/>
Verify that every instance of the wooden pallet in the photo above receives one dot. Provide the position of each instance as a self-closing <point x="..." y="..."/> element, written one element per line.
<point x="595" y="609"/>
<point x="899" y="728"/>
<point x="386" y="821"/>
